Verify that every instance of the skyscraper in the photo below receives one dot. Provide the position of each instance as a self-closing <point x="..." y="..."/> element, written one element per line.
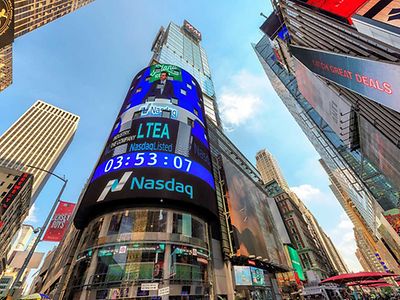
<point x="180" y="46"/>
<point x="29" y="15"/>
<point x="303" y="234"/>
<point x="348" y="127"/>
<point x="269" y="169"/>
<point x="15" y="198"/>
<point x="38" y="138"/>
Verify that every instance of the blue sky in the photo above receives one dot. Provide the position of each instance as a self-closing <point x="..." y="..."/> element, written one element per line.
<point x="84" y="63"/>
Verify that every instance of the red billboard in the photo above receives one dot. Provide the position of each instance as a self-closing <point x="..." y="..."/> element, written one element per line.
<point x="13" y="192"/>
<point x="60" y="222"/>
<point x="340" y="8"/>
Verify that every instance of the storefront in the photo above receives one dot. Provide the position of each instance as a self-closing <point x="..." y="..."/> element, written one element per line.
<point x="143" y="254"/>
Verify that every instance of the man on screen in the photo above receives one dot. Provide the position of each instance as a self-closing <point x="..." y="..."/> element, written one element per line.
<point x="162" y="88"/>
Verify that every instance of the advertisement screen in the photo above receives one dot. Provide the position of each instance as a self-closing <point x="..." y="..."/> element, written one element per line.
<point x="242" y="275"/>
<point x="13" y="192"/>
<point x="383" y="11"/>
<point x="251" y="219"/>
<point x="59" y="224"/>
<point x="380" y="151"/>
<point x="296" y="264"/>
<point x="329" y="105"/>
<point x="257" y="276"/>
<point x="158" y="150"/>
<point x="375" y="80"/>
<point x="340" y="8"/>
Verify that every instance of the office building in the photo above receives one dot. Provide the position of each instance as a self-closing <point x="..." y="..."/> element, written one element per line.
<point x="324" y="241"/>
<point x="28" y="16"/>
<point x="336" y="127"/>
<point x="15" y="199"/>
<point x="365" y="264"/>
<point x="38" y="138"/>
<point x="52" y="277"/>
<point x="375" y="250"/>
<point x="22" y="242"/>
<point x="269" y="169"/>
<point x="313" y="256"/>
<point x="180" y="46"/>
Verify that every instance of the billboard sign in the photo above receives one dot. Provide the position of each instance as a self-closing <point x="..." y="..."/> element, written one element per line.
<point x="158" y="150"/>
<point x="6" y="22"/>
<point x="387" y="12"/>
<point x="343" y="9"/>
<point x="257" y="276"/>
<point x="372" y="79"/>
<point x="380" y="151"/>
<point x="13" y="192"/>
<point x="192" y="30"/>
<point x="59" y="224"/>
<point x="334" y="109"/>
<point x="242" y="275"/>
<point x="296" y="264"/>
<point x="254" y="231"/>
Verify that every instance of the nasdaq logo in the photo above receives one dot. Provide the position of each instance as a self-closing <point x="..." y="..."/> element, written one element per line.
<point x="114" y="185"/>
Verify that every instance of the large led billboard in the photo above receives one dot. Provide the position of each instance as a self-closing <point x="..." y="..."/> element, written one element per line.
<point x="333" y="108"/>
<point x="249" y="276"/>
<point x="158" y="150"/>
<point x="375" y="80"/>
<point x="253" y="226"/>
<point x="296" y="264"/>
<point x="343" y="9"/>
<point x="386" y="12"/>
<point x="380" y="151"/>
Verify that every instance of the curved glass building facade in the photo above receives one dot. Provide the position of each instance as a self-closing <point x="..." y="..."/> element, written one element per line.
<point x="136" y="253"/>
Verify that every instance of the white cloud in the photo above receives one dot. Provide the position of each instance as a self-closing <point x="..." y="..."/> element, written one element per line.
<point x="308" y="193"/>
<point x="240" y="99"/>
<point x="343" y="238"/>
<point x="32" y="217"/>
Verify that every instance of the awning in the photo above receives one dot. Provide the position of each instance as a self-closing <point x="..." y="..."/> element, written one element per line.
<point x="357" y="277"/>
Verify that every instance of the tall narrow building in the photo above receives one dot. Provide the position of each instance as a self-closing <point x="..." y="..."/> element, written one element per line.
<point x="28" y="16"/>
<point x="269" y="169"/>
<point x="15" y="198"/>
<point x="38" y="138"/>
<point x="180" y="46"/>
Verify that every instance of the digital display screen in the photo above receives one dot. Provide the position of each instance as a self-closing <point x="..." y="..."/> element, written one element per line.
<point x="242" y="275"/>
<point x="158" y="148"/>
<point x="254" y="232"/>
<point x="257" y="276"/>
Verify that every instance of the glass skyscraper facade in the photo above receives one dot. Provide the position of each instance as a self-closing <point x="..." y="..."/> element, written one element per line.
<point x="367" y="188"/>
<point x="366" y="184"/>
<point x="180" y="46"/>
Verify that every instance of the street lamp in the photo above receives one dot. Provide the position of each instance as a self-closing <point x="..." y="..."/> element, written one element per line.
<point x="41" y="229"/>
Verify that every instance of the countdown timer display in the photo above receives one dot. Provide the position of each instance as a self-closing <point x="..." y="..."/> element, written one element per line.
<point x="158" y="151"/>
